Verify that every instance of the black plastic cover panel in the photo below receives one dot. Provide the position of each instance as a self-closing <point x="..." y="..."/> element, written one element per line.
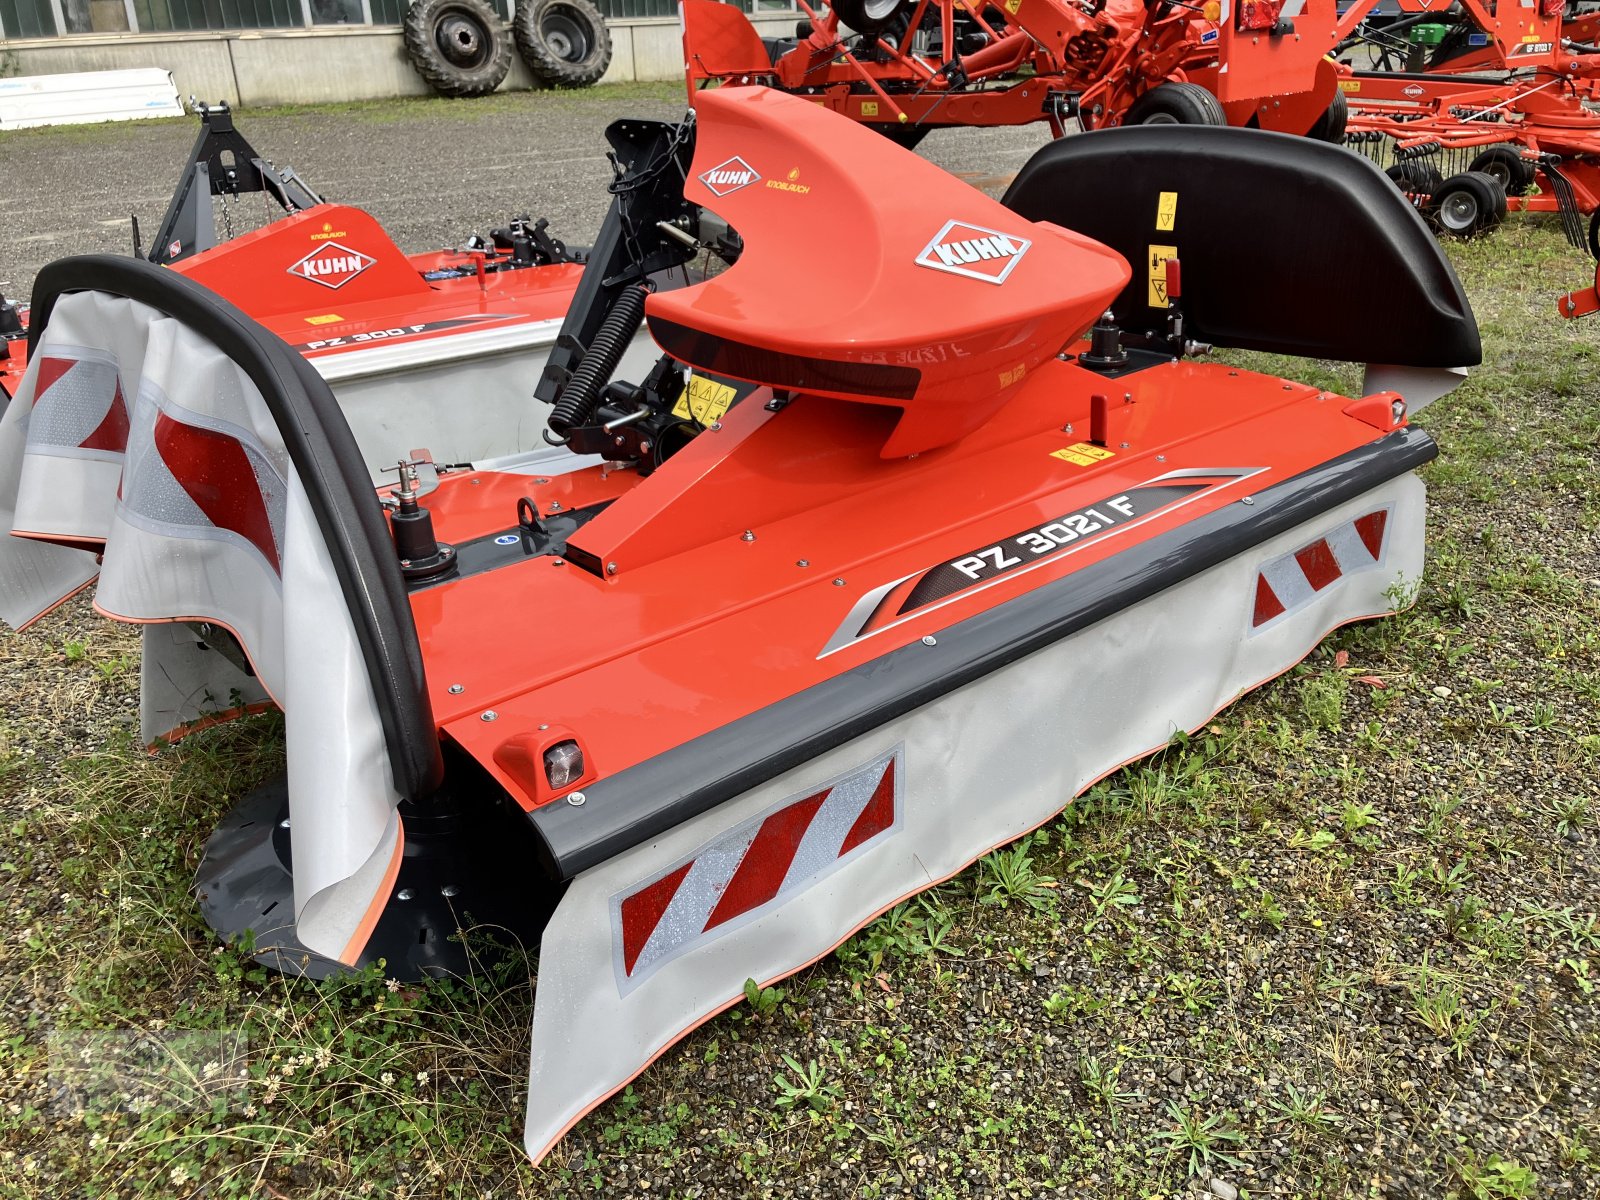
<point x="1287" y="245"/>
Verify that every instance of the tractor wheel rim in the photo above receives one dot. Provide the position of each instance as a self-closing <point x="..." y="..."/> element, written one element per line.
<point x="461" y="41"/>
<point x="1161" y="119"/>
<point x="566" y="38"/>
<point x="1499" y="172"/>
<point x="1459" y="212"/>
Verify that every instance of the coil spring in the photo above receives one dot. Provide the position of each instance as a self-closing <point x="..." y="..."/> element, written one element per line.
<point x="582" y="393"/>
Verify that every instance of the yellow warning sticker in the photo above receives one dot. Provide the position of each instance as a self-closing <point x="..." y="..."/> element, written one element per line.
<point x="1167" y="212"/>
<point x="324" y="319"/>
<point x="1082" y="454"/>
<point x="704" y="400"/>
<point x="1158" y="274"/>
<point x="869" y="108"/>
<point x="1012" y="6"/>
<point x="1350" y="85"/>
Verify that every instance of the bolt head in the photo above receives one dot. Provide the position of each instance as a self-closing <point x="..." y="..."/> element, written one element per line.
<point x="577" y="799"/>
<point x="611" y="568"/>
<point x="929" y="640"/>
<point x="489" y="715"/>
<point x="449" y="890"/>
<point x="455" y="689"/>
<point x="404" y="894"/>
<point x="838" y="583"/>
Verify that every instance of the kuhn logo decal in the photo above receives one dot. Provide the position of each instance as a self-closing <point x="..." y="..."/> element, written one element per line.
<point x="1414" y="89"/>
<point x="726" y="178"/>
<point x="974" y="251"/>
<point x="332" y="265"/>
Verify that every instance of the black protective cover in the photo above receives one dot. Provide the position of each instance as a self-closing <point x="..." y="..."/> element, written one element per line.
<point x="329" y="463"/>
<point x="1287" y="244"/>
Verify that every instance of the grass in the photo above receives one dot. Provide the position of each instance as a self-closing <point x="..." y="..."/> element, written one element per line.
<point x="1343" y="940"/>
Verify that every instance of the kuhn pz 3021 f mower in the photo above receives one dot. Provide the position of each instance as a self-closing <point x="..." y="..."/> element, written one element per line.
<point x="896" y="550"/>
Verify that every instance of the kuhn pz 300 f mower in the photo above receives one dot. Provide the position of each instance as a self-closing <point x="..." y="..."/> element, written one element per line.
<point x="896" y="551"/>
<point x="389" y="331"/>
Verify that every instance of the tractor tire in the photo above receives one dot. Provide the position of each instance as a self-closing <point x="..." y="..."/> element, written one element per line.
<point x="1506" y="165"/>
<point x="1415" y="178"/>
<point x="458" y="46"/>
<point x="1329" y="127"/>
<point x="866" y="16"/>
<point x="564" y="42"/>
<point x="1176" y="104"/>
<point x="1468" y="204"/>
<point x="1594" y="234"/>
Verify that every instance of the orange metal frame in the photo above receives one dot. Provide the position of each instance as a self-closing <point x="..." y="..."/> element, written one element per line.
<point x="1039" y="52"/>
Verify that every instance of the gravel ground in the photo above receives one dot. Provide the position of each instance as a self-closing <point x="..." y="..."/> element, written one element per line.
<point x="1342" y="943"/>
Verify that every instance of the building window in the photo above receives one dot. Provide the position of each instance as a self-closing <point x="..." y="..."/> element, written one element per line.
<point x="27" y="18"/>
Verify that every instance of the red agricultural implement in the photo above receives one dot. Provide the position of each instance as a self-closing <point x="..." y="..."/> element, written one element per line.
<point x="1586" y="301"/>
<point x="1469" y="148"/>
<point x="388" y="330"/>
<point x="896" y="549"/>
<point x="905" y="67"/>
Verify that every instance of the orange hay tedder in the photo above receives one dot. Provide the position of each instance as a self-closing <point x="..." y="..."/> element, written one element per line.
<point x="905" y="67"/>
<point x="1468" y="148"/>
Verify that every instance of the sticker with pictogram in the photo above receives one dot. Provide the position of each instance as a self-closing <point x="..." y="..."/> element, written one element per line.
<point x="974" y="251"/>
<point x="747" y="871"/>
<point x="332" y="264"/>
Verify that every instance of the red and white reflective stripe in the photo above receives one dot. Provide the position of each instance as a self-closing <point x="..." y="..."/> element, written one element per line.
<point x="1292" y="580"/>
<point x="766" y="859"/>
<point x="78" y="405"/>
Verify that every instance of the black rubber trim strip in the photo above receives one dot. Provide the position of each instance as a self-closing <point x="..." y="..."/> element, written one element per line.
<point x="325" y="455"/>
<point x="646" y="800"/>
<point x="777" y="369"/>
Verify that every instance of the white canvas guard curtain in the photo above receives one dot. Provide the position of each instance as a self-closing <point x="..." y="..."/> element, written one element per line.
<point x="136" y="439"/>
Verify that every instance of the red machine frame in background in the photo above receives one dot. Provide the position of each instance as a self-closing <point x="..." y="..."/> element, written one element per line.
<point x="1261" y="62"/>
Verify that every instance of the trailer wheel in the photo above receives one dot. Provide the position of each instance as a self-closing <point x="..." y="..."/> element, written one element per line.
<point x="1330" y="126"/>
<point x="1415" y="178"/>
<point x="1468" y="204"/>
<point x="564" y="42"/>
<point x="457" y="46"/>
<point x="1506" y="165"/>
<point x="1176" y="104"/>
<point x="866" y="16"/>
